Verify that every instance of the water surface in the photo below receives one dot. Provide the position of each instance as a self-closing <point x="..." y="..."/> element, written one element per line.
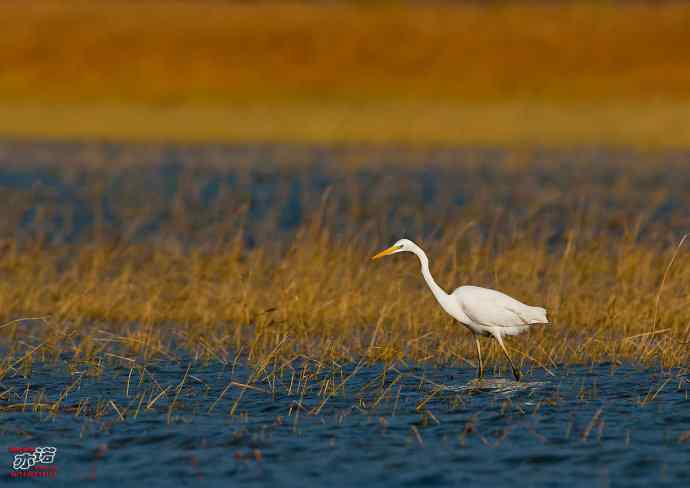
<point x="602" y="425"/>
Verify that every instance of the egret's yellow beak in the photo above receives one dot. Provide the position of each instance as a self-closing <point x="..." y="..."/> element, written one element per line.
<point x="385" y="252"/>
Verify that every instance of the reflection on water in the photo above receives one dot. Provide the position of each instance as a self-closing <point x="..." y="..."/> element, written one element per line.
<point x="501" y="386"/>
<point x="599" y="425"/>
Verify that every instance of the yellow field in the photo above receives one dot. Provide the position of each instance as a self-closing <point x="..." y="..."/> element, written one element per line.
<point x="615" y="302"/>
<point x="566" y="74"/>
<point x="653" y="126"/>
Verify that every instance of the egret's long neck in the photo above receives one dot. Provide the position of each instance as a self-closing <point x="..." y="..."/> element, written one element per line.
<point x="438" y="292"/>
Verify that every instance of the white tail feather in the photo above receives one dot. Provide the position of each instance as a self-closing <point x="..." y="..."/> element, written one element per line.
<point x="539" y="316"/>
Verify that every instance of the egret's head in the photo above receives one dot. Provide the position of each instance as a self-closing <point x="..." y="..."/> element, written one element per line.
<point x="401" y="246"/>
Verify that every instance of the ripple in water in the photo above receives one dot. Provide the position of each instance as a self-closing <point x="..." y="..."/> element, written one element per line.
<point x="194" y="422"/>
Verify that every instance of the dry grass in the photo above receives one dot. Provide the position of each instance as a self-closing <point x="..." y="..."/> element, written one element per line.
<point x="505" y="73"/>
<point x="322" y="298"/>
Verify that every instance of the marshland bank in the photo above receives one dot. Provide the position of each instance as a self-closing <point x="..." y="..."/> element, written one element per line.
<point x="569" y="73"/>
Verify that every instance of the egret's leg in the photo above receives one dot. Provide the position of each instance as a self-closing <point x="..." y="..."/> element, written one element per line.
<point x="480" y="364"/>
<point x="516" y="371"/>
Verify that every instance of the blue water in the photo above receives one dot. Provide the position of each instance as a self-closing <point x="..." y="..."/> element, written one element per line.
<point x="601" y="425"/>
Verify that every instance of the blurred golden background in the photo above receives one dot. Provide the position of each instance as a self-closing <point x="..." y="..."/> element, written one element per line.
<point x="480" y="72"/>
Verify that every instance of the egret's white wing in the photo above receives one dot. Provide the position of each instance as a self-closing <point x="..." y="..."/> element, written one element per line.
<point x="495" y="309"/>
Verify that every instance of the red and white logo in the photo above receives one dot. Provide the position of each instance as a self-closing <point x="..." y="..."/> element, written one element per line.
<point x="33" y="462"/>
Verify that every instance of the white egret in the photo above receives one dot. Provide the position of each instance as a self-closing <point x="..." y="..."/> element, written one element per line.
<point x="483" y="311"/>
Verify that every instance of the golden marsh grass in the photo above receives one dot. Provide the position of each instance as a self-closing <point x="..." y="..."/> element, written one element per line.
<point x="323" y="299"/>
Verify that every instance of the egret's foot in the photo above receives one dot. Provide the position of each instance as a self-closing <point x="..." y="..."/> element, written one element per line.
<point x="517" y="374"/>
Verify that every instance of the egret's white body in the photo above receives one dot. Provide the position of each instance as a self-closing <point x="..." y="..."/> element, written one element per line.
<point x="483" y="311"/>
